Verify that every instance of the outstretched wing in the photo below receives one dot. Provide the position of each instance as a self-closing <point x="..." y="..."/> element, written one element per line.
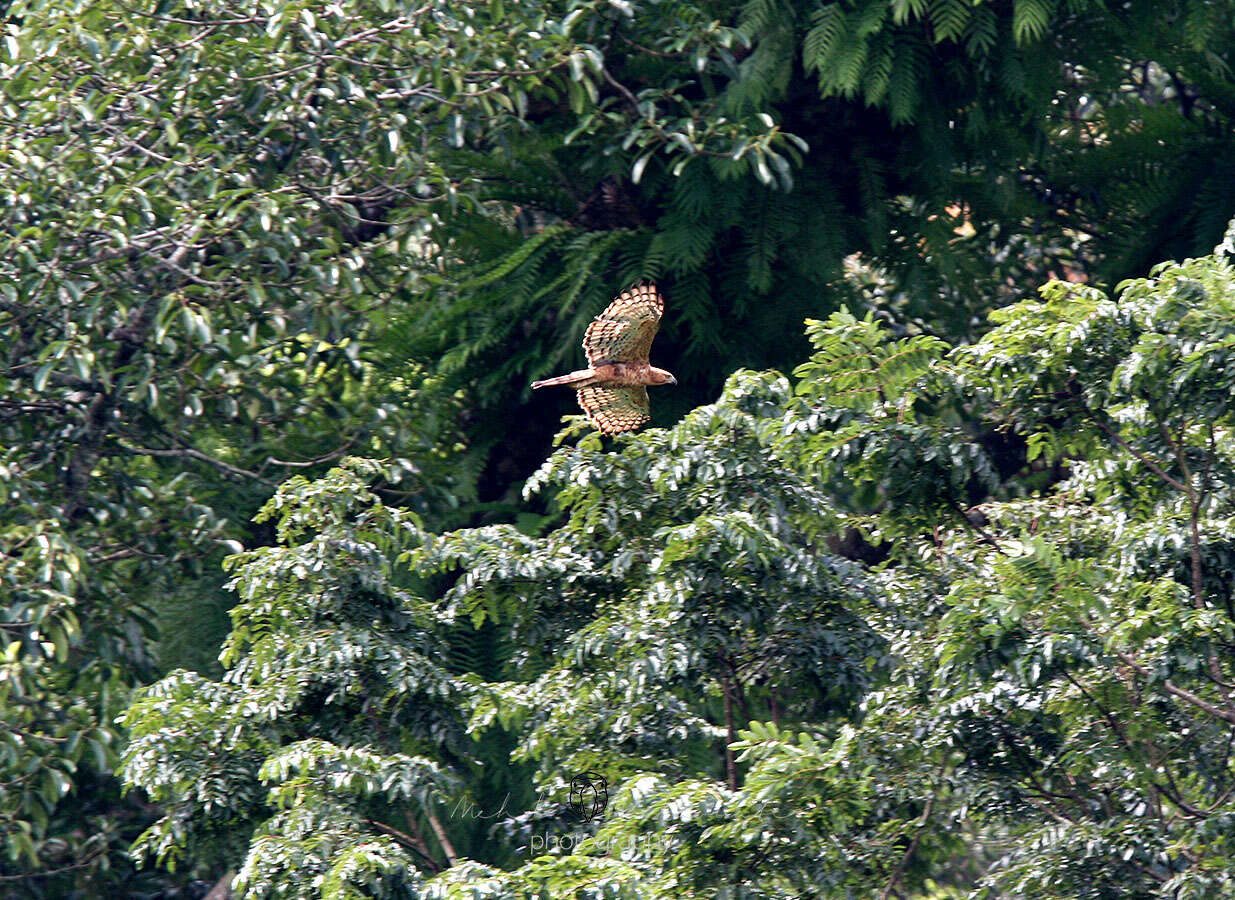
<point x="615" y="408"/>
<point x="624" y="331"/>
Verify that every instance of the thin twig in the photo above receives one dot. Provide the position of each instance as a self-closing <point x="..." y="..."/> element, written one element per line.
<point x="193" y="453"/>
<point x="913" y="844"/>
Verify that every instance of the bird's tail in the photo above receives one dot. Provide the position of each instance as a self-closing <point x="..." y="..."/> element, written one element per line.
<point x="573" y="378"/>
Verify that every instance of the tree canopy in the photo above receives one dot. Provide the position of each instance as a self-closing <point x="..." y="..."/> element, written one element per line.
<point x="944" y="611"/>
<point x="1027" y="695"/>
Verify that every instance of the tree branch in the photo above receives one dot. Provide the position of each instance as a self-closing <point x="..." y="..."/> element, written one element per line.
<point x="415" y="844"/>
<point x="1153" y="466"/>
<point x="1175" y="690"/>
<point x="193" y="453"/>
<point x="442" y="838"/>
<point x="890" y="887"/>
<point x="99" y="418"/>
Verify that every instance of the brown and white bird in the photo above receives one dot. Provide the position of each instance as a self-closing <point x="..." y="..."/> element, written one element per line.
<point x="613" y="389"/>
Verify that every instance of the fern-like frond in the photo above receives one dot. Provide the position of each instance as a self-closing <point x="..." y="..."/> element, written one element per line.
<point x="1030" y="19"/>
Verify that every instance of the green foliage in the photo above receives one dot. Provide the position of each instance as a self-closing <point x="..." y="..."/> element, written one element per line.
<point x="966" y="150"/>
<point x="290" y="767"/>
<point x="647" y="630"/>
<point x="686" y="568"/>
<point x="1020" y="693"/>
<point x="1067" y="653"/>
<point x="195" y="307"/>
<point x="241" y="242"/>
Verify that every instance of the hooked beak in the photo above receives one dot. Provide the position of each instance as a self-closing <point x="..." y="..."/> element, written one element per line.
<point x="672" y="380"/>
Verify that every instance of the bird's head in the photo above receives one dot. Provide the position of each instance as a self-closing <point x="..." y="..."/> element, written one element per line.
<point x="660" y="376"/>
